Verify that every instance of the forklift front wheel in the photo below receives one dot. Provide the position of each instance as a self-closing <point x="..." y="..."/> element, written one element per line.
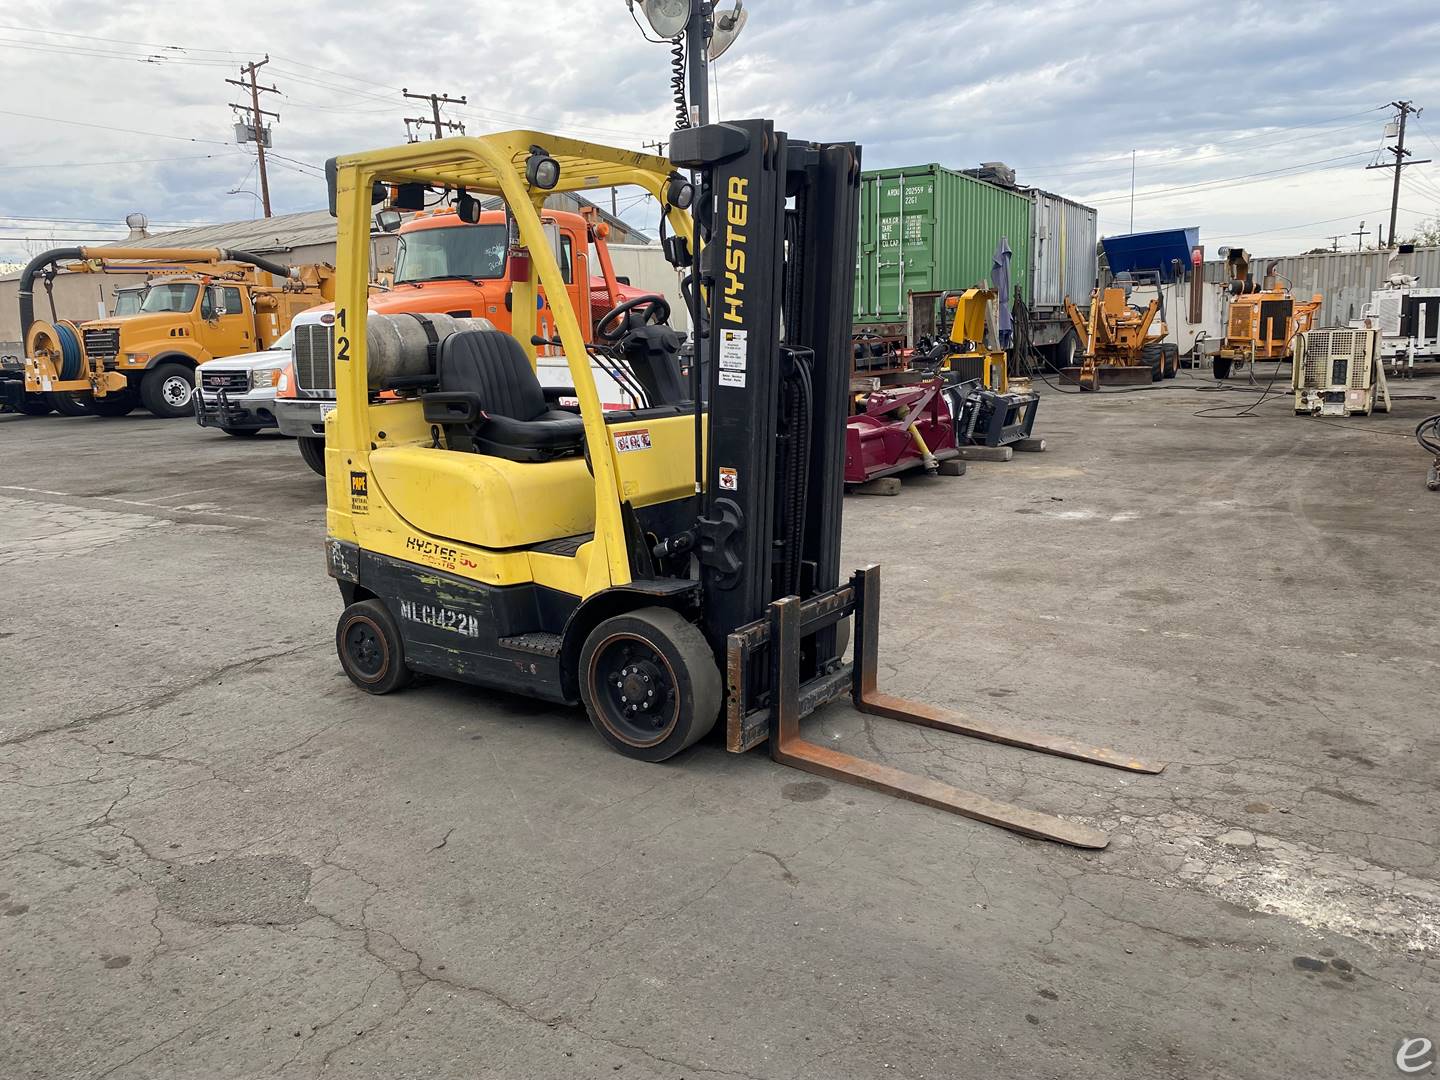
<point x="649" y="683"/>
<point x="371" y="650"/>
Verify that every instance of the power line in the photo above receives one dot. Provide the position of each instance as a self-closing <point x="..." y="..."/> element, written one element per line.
<point x="1221" y="181"/>
<point x="97" y="164"/>
<point x="111" y="127"/>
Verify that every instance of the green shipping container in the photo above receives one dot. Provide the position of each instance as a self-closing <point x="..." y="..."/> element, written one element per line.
<point x="930" y="229"/>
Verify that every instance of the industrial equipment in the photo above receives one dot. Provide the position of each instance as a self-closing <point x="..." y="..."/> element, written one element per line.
<point x="662" y="564"/>
<point x="988" y="410"/>
<point x="1264" y="318"/>
<point x="199" y="303"/>
<point x="1408" y="318"/>
<point x="1337" y="373"/>
<point x="897" y="429"/>
<point x="1121" y="341"/>
<point x="1427" y="434"/>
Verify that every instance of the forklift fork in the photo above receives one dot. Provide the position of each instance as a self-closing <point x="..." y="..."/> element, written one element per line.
<point x="791" y="619"/>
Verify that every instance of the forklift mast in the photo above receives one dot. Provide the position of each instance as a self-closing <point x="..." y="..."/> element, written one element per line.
<point x="777" y="220"/>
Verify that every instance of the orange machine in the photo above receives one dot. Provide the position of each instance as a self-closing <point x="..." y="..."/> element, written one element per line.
<point x="1122" y="342"/>
<point x="1264" y="319"/>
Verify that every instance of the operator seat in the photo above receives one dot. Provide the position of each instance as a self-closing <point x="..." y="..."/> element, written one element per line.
<point x="491" y="402"/>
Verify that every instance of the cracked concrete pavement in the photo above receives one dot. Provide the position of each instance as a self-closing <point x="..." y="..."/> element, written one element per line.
<point x="220" y="860"/>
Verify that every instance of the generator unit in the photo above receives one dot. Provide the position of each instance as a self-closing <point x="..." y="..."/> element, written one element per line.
<point x="1408" y="319"/>
<point x="1337" y="373"/>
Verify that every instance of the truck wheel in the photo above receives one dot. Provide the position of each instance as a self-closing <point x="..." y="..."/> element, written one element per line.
<point x="119" y="403"/>
<point x="166" y="390"/>
<point x="1222" y="367"/>
<point x="70" y="404"/>
<point x="371" y="649"/>
<point x="1153" y="357"/>
<point x="313" y="451"/>
<point x="1065" y="350"/>
<point x="34" y="405"/>
<point x="649" y="683"/>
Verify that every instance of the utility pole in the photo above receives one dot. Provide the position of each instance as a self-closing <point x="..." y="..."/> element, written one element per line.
<point x="657" y="145"/>
<point x="1361" y="232"/>
<point x="436" y="100"/>
<point x="1406" y="108"/>
<point x="1335" y="241"/>
<point x="256" y="125"/>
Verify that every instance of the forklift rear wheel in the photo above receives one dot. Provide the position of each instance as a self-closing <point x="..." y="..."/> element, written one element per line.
<point x="166" y="390"/>
<point x="370" y="647"/>
<point x="71" y="404"/>
<point x="649" y="683"/>
<point x="313" y="451"/>
<point x="1222" y="367"/>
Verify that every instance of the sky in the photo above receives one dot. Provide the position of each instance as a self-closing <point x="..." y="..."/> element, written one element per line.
<point x="1252" y="121"/>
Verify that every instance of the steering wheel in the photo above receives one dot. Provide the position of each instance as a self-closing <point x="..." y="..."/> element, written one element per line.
<point x="652" y="308"/>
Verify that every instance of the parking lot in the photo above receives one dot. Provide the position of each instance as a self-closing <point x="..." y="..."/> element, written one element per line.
<point x="222" y="860"/>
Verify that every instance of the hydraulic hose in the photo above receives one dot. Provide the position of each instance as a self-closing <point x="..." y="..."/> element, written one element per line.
<point x="27" y="283"/>
<point x="58" y="255"/>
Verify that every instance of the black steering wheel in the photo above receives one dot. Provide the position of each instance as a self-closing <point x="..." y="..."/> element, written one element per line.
<point x="652" y="308"/>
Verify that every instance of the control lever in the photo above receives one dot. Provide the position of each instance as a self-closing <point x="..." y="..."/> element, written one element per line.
<point x="536" y="339"/>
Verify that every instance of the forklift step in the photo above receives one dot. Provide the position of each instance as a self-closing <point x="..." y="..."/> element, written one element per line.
<point x="537" y="643"/>
<point x="986" y="453"/>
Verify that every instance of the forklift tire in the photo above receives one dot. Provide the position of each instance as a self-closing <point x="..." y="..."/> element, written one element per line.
<point x="1222" y="367"/>
<point x="371" y="649"/>
<point x="1153" y="357"/>
<point x="71" y="404"/>
<point x="649" y="683"/>
<point x="166" y="390"/>
<point x="34" y="405"/>
<point x="313" y="451"/>
<point x="121" y="403"/>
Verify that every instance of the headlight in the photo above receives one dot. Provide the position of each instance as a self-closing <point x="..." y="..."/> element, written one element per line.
<point x="263" y="377"/>
<point x="282" y="384"/>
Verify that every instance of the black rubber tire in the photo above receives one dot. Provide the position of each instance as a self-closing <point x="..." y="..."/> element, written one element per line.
<point x="156" y="390"/>
<point x="370" y="648"/>
<point x="1153" y="357"/>
<point x="680" y="666"/>
<point x="240" y="432"/>
<point x="312" y="449"/>
<point x="1064" y="351"/>
<point x="70" y="404"/>
<point x="1221" y="367"/>
<point x="34" y="405"/>
<point x="120" y="403"/>
<point x="1170" y="355"/>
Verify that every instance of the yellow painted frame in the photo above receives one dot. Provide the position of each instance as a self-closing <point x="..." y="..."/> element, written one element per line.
<point x="486" y="165"/>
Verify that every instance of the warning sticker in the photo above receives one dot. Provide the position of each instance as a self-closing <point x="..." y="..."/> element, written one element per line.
<point x="729" y="479"/>
<point x="732" y="378"/>
<point x="639" y="439"/>
<point x="733" y="346"/>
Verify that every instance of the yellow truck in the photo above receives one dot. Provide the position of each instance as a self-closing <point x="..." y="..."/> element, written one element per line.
<point x="199" y="304"/>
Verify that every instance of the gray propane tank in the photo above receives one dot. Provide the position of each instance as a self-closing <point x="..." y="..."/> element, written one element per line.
<point x="397" y="345"/>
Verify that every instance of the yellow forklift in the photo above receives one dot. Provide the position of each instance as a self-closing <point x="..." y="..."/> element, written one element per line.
<point x="667" y="565"/>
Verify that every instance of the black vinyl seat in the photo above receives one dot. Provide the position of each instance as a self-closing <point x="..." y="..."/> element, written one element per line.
<point x="491" y="402"/>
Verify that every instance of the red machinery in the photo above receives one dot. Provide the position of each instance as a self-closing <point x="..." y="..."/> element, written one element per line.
<point x="898" y="429"/>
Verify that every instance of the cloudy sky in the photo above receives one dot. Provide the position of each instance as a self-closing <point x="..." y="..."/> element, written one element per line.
<point x="1253" y="121"/>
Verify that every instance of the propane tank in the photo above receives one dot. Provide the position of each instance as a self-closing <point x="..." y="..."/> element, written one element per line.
<point x="398" y="345"/>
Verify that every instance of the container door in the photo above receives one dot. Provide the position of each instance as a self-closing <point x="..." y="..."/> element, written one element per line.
<point x="906" y="250"/>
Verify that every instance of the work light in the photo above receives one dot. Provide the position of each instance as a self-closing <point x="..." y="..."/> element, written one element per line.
<point x="541" y="170"/>
<point x="666" y="17"/>
<point x="679" y="192"/>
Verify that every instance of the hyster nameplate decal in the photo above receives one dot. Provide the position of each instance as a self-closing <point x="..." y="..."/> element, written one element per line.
<point x="442" y="618"/>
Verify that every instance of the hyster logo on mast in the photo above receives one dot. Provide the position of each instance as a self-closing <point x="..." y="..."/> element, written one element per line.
<point x="737" y="216"/>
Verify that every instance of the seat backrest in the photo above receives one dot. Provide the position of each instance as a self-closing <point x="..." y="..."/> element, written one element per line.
<point x="492" y="364"/>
